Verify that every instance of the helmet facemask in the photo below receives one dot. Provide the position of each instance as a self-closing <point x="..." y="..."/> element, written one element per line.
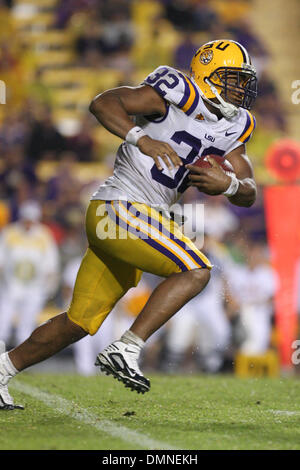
<point x="237" y="85"/>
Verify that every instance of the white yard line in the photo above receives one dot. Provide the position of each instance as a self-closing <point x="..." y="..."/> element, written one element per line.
<point x="74" y="411"/>
<point x="284" y="412"/>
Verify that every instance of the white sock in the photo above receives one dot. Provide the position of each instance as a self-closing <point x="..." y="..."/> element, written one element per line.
<point x="7" y="369"/>
<point x="131" y="338"/>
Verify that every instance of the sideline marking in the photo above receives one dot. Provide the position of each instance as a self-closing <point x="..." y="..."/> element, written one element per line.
<point x="74" y="411"/>
<point x="284" y="412"/>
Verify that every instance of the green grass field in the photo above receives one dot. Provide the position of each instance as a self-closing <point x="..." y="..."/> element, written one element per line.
<point x="180" y="412"/>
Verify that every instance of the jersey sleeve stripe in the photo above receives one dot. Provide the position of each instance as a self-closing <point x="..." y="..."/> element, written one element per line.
<point x="248" y="129"/>
<point x="189" y="95"/>
<point x="196" y="99"/>
<point x="187" y="92"/>
<point x="246" y="140"/>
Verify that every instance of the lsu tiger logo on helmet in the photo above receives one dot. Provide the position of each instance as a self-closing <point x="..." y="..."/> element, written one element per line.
<point x="223" y="71"/>
<point x="206" y="57"/>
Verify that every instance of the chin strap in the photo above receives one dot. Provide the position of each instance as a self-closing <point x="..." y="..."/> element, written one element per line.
<point x="227" y="109"/>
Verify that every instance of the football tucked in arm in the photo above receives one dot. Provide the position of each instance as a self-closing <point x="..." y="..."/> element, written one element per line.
<point x="203" y="162"/>
<point x="213" y="175"/>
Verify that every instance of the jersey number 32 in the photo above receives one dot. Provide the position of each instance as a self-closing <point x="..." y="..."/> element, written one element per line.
<point x="178" y="181"/>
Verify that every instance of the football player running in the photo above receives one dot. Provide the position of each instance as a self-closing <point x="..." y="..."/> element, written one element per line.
<point x="166" y="123"/>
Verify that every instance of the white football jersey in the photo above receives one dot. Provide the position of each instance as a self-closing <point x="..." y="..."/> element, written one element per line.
<point x="188" y="127"/>
<point x="28" y="257"/>
<point x="251" y="286"/>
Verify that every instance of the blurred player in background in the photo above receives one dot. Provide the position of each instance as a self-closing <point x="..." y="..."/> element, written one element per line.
<point x="202" y="324"/>
<point x="252" y="286"/>
<point x="176" y="119"/>
<point x="219" y="220"/>
<point x="29" y="263"/>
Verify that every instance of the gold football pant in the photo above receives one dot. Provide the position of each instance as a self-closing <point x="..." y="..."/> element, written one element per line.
<point x="125" y="239"/>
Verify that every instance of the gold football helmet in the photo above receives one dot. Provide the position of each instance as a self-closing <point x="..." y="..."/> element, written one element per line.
<point x="223" y="67"/>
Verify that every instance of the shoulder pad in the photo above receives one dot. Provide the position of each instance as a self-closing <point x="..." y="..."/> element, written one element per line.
<point x="174" y="87"/>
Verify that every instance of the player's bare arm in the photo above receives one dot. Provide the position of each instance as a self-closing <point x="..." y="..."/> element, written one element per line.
<point x="114" y="108"/>
<point x="214" y="180"/>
